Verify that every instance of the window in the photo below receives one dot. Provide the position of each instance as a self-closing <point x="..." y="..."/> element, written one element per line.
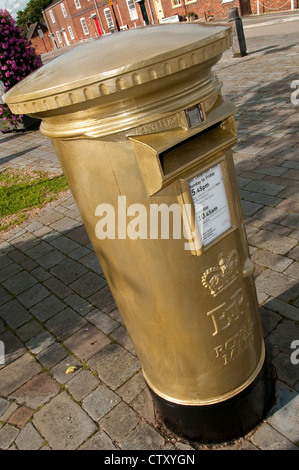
<point x="84" y="26"/>
<point x="63" y="10"/>
<point x="71" y="32"/>
<point x="109" y="18"/>
<point x="59" y="37"/>
<point x="77" y="3"/>
<point x="176" y="3"/>
<point x="132" y="10"/>
<point x="52" y="16"/>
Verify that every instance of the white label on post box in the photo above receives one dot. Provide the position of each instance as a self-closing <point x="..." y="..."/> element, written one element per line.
<point x="210" y="203"/>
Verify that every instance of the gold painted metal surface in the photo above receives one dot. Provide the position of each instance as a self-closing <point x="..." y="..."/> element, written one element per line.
<point x="117" y="115"/>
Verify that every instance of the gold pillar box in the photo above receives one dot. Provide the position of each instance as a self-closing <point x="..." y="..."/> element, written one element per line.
<point x="144" y="138"/>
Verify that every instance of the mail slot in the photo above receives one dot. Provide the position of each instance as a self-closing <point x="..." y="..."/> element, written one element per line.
<point x="144" y="137"/>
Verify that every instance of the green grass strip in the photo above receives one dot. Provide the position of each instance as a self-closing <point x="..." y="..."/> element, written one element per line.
<point x="24" y="190"/>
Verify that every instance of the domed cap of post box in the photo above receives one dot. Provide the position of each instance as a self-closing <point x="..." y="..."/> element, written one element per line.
<point x="109" y="69"/>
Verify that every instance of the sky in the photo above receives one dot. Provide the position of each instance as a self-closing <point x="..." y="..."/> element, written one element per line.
<point x="13" y="6"/>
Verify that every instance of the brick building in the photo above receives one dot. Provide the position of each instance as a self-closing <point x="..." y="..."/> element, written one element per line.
<point x="73" y="21"/>
<point x="38" y="36"/>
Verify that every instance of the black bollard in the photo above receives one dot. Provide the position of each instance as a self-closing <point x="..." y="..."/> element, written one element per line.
<point x="239" y="43"/>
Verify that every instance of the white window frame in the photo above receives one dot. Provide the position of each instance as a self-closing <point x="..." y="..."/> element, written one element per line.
<point x="109" y="19"/>
<point x="71" y="33"/>
<point x="132" y="9"/>
<point x="84" y="26"/>
<point x="63" y="10"/>
<point x="59" y="37"/>
<point x="52" y="16"/>
<point x="77" y="4"/>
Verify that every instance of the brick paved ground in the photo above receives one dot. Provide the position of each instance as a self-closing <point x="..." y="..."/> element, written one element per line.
<point x="57" y="310"/>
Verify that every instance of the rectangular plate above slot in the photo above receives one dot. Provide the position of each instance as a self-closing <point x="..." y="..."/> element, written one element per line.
<point x="198" y="146"/>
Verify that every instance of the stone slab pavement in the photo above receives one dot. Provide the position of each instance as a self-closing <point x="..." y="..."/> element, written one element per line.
<point x="56" y="309"/>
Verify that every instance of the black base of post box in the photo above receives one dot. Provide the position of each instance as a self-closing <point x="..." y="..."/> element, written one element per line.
<point x="223" y="421"/>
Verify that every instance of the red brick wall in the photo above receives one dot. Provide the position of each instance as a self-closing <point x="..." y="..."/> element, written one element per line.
<point x="42" y="45"/>
<point x="271" y="6"/>
<point x="215" y="7"/>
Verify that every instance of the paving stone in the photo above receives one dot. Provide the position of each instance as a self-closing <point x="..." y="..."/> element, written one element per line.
<point x="53" y="354"/>
<point x="271" y="214"/>
<point x="68" y="271"/>
<point x="58" y="288"/>
<point x="40" y="342"/>
<point x="249" y="208"/>
<point x="272" y="242"/>
<point x="82" y="384"/>
<point x="143" y="404"/>
<point x="20" y="282"/>
<point x="40" y="274"/>
<point x="267" y="438"/>
<point x="78" y="304"/>
<point x="37" y="391"/>
<point x="14" y="314"/>
<point x="132" y="388"/>
<point x="104" y="300"/>
<point x="102" y="321"/>
<point x="33" y="295"/>
<point x="121" y="336"/>
<point x="284" y="417"/>
<point x="9" y="271"/>
<point x="98" y="403"/>
<point x="29" y="330"/>
<point x="59" y="371"/>
<point x="63" y="423"/>
<point x="292" y="220"/>
<point x="114" y="365"/>
<point x="263" y="199"/>
<point x="285" y="370"/>
<point x="79" y="235"/>
<point x="91" y="262"/>
<point x="100" y="441"/>
<point x="144" y="437"/>
<point x="277" y="228"/>
<point x="79" y="253"/>
<point x="17" y="373"/>
<point x="294" y="253"/>
<point x="65" y="323"/>
<point x="119" y="422"/>
<point x="47" y="308"/>
<point x="4" y="296"/>
<point x="88" y="284"/>
<point x="4" y="404"/>
<point x="29" y="438"/>
<point x="275" y="284"/>
<point x="86" y="342"/>
<point x="51" y="259"/>
<point x="13" y="347"/>
<point x="271" y="260"/>
<point x="21" y="416"/>
<point x="65" y="225"/>
<point x="265" y="187"/>
<point x="10" y="411"/>
<point x="282" y="337"/>
<point x="39" y="250"/>
<point x="293" y="270"/>
<point x="283" y="308"/>
<point x="7" y="435"/>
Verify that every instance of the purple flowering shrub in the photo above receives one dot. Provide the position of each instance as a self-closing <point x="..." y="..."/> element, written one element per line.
<point x="17" y="60"/>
